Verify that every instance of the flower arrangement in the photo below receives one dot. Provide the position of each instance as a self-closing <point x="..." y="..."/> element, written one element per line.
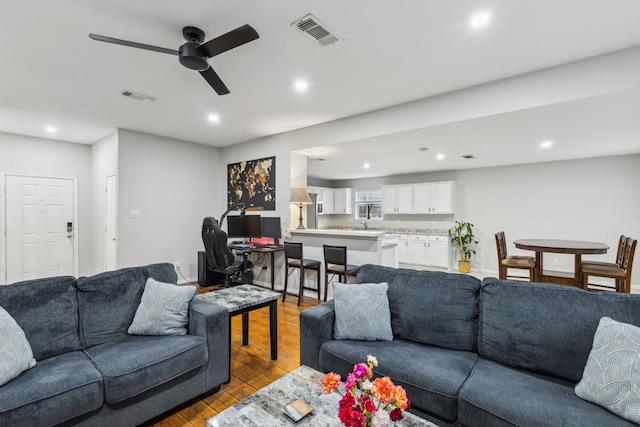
<point x="367" y="403"/>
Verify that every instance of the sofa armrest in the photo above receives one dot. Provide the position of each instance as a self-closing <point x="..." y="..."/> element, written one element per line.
<point x="316" y="328"/>
<point x="211" y="321"/>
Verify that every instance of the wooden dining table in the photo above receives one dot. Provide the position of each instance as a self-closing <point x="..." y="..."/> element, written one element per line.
<point x="575" y="247"/>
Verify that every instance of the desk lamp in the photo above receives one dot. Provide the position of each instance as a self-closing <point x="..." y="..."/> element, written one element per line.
<point x="301" y="197"/>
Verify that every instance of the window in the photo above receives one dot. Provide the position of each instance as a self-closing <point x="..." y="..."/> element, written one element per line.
<point x="364" y="199"/>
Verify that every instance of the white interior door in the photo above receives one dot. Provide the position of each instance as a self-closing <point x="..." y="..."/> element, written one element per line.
<point x="110" y="249"/>
<point x="40" y="227"/>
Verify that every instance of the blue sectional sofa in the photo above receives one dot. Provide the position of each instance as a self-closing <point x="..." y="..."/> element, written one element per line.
<point x="472" y="353"/>
<point x="89" y="370"/>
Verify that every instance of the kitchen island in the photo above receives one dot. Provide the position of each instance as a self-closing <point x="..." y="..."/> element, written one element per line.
<point x="363" y="246"/>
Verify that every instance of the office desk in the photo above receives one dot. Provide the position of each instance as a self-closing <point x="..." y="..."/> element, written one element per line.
<point x="575" y="247"/>
<point x="272" y="251"/>
<point x="208" y="278"/>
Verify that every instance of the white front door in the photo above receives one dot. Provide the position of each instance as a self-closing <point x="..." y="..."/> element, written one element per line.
<point x="40" y="227"/>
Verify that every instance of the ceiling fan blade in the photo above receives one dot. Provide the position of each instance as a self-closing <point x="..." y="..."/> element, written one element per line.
<point x="133" y="44"/>
<point x="228" y="41"/>
<point x="214" y="80"/>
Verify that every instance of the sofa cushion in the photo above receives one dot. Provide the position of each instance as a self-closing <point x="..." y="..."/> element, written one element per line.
<point x="57" y="389"/>
<point x="612" y="371"/>
<point x="31" y="302"/>
<point x="108" y="301"/>
<point x="16" y="355"/>
<point x="528" y="325"/>
<point x="496" y="395"/>
<point x="135" y="364"/>
<point x="362" y="311"/>
<point x="432" y="376"/>
<point x="452" y="300"/>
<point x="163" y="309"/>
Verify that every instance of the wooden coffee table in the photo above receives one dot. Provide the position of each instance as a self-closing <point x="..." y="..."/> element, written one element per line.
<point x="264" y="408"/>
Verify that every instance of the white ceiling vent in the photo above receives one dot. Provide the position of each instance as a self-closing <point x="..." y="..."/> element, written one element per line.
<point x="315" y="30"/>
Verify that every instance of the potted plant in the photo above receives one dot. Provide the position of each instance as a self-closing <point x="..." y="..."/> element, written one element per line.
<point x="462" y="236"/>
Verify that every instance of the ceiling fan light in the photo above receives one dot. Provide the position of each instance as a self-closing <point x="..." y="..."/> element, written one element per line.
<point x="192" y="58"/>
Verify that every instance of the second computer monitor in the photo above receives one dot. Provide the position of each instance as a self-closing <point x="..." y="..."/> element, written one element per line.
<point x="270" y="226"/>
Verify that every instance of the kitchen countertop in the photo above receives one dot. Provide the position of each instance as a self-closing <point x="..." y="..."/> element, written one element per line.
<point x="388" y="230"/>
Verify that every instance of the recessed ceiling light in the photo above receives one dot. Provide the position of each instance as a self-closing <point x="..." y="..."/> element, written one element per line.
<point x="546" y="144"/>
<point x="440" y="156"/>
<point x="213" y="118"/>
<point x="301" y="85"/>
<point x="50" y="129"/>
<point x="366" y="165"/>
<point x="480" y="20"/>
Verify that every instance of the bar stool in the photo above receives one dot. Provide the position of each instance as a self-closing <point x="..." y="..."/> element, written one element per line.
<point x="293" y="259"/>
<point x="335" y="262"/>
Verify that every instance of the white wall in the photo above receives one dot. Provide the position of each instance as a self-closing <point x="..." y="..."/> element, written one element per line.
<point x="25" y="155"/>
<point x="104" y="156"/>
<point x="174" y="184"/>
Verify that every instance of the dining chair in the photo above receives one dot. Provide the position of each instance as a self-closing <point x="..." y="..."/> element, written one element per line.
<point x="505" y="262"/>
<point x="335" y="263"/>
<point x="620" y="273"/>
<point x="619" y="255"/>
<point x="293" y="258"/>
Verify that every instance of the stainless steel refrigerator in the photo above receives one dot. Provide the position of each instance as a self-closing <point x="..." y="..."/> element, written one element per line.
<point x="312" y="211"/>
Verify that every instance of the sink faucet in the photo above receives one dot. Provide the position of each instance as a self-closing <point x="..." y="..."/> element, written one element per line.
<point x="366" y="227"/>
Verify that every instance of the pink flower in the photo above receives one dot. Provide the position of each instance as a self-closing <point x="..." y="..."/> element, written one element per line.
<point x="360" y="370"/>
<point x="380" y="419"/>
<point x="351" y="382"/>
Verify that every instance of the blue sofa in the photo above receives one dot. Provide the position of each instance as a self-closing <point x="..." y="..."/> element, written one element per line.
<point x="472" y="353"/>
<point x="89" y="371"/>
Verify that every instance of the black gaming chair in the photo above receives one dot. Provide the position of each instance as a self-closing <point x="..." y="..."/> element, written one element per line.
<point x="219" y="258"/>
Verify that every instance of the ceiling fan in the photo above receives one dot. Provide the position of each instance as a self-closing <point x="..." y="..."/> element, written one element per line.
<point x="195" y="54"/>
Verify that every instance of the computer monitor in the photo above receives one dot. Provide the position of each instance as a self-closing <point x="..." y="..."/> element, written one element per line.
<point x="244" y="226"/>
<point x="271" y="227"/>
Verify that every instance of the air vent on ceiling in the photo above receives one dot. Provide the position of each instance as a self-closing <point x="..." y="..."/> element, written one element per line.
<point x="315" y="30"/>
<point x="138" y="96"/>
<point x="468" y="156"/>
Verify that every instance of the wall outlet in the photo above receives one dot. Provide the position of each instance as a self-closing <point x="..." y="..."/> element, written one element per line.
<point x="176" y="265"/>
<point x="556" y="261"/>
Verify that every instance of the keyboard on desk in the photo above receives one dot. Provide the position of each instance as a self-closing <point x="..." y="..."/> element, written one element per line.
<point x="239" y="246"/>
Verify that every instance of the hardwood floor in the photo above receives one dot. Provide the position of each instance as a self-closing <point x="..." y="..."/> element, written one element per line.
<point x="251" y="366"/>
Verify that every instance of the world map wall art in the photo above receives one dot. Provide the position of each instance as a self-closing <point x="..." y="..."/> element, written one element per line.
<point x="253" y="183"/>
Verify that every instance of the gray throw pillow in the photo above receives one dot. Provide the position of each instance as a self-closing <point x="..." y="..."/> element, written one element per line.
<point x="613" y="369"/>
<point x="163" y="309"/>
<point x="362" y="312"/>
<point x="16" y="355"/>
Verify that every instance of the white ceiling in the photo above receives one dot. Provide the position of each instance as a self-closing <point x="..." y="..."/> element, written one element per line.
<point x="389" y="53"/>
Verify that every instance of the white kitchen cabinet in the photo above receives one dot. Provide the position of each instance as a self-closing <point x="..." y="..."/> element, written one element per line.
<point x="327" y="200"/>
<point x="397" y="199"/>
<point x="433" y="198"/>
<point x="438" y="251"/>
<point x="422" y="198"/>
<point x="418" y="249"/>
<point x="342" y="201"/>
<point x="402" y="248"/>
